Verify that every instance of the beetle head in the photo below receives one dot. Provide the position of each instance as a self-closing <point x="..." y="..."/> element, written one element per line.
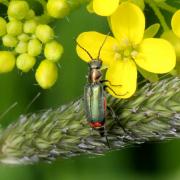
<point x="95" y="64"/>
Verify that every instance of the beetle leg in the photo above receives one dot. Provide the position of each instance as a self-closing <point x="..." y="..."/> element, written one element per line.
<point x="103" y="133"/>
<point x="103" y="81"/>
<point x="105" y="87"/>
<point x="107" y="140"/>
<point x="113" y="114"/>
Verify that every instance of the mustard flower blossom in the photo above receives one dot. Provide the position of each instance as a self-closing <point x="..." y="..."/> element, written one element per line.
<point x="175" y="23"/>
<point x="108" y="7"/>
<point x="105" y="7"/>
<point x="127" y="50"/>
<point x="173" y="36"/>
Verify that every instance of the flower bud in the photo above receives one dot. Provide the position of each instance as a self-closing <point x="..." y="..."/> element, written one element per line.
<point x="53" y="51"/>
<point x="44" y="33"/>
<point x="175" y="23"/>
<point x="25" y="62"/>
<point x="11" y="18"/>
<point x="9" y="41"/>
<point x="21" y="47"/>
<point x="14" y="27"/>
<point x="18" y="9"/>
<point x="58" y="8"/>
<point x="23" y="37"/>
<point x="7" y="61"/>
<point x="34" y="47"/>
<point x="174" y="40"/>
<point x="89" y="7"/>
<point x="46" y="74"/>
<point x="31" y="14"/>
<point x="2" y="26"/>
<point x="30" y="26"/>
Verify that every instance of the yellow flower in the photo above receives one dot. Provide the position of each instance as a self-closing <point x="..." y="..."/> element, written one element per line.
<point x="173" y="36"/>
<point x="175" y="23"/>
<point x="127" y="50"/>
<point x="174" y="40"/>
<point x="104" y="7"/>
<point x="108" y="7"/>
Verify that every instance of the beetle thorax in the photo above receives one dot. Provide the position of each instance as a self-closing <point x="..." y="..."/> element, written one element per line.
<point x="95" y="75"/>
<point x="95" y="71"/>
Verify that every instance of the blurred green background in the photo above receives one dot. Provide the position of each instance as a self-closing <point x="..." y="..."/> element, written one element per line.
<point x="141" y="162"/>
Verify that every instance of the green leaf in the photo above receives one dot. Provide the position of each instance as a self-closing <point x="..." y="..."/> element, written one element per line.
<point x="148" y="75"/>
<point x="152" y="30"/>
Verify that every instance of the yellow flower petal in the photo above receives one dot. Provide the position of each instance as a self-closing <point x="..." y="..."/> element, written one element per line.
<point x="105" y="7"/>
<point x="175" y="23"/>
<point x="123" y="73"/>
<point x="156" y="55"/>
<point x="128" y="23"/>
<point x="92" y="41"/>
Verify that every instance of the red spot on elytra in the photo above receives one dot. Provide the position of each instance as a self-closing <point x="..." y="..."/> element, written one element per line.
<point x="96" y="124"/>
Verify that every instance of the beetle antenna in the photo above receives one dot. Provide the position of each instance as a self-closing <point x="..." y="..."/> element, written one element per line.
<point x="99" y="53"/>
<point x="85" y="50"/>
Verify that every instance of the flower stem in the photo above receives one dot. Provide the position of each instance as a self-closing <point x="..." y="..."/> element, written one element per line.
<point x="158" y="13"/>
<point x="167" y="7"/>
<point x="152" y="114"/>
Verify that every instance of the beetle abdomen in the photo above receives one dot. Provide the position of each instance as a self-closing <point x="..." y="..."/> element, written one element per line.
<point x="96" y="124"/>
<point x="95" y="104"/>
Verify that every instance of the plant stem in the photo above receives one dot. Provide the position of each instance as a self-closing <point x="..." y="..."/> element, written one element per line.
<point x="153" y="113"/>
<point x="167" y="7"/>
<point x="158" y="13"/>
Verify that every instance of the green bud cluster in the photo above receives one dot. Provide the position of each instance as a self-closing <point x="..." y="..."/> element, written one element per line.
<point x="58" y="8"/>
<point x="28" y="38"/>
<point x="62" y="8"/>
